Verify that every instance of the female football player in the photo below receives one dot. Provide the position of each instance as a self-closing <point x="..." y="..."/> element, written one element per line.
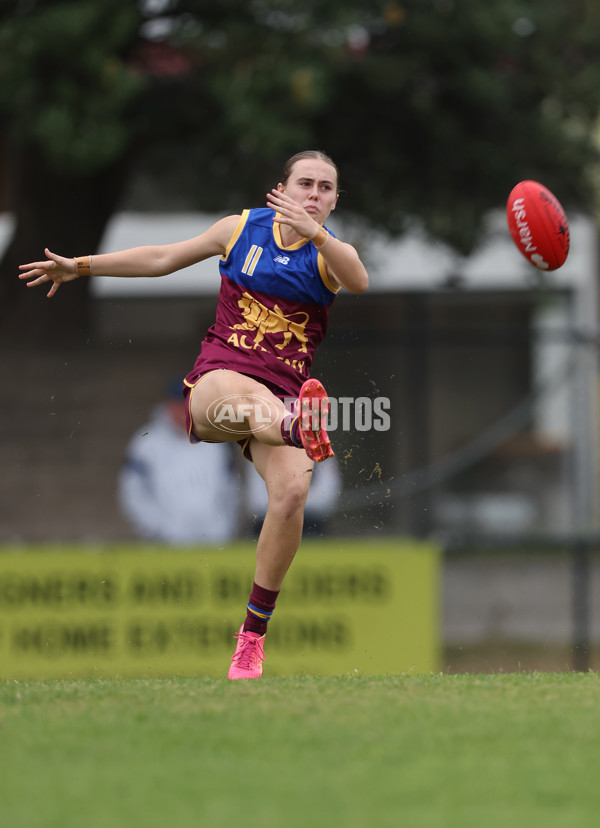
<point x="280" y="270"/>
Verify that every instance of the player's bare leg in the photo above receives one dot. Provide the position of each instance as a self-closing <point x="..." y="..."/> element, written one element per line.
<point x="226" y="405"/>
<point x="250" y="409"/>
<point x="287" y="472"/>
<point x="253" y="410"/>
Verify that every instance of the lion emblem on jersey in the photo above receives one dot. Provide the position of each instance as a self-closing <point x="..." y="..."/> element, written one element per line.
<point x="263" y="320"/>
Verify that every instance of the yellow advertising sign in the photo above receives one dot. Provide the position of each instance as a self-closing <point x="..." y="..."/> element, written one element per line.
<point x="346" y="607"/>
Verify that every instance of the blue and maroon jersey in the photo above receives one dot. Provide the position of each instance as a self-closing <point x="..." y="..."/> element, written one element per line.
<point x="273" y="307"/>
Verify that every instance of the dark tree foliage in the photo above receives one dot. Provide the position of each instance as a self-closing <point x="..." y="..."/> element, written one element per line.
<point x="433" y="109"/>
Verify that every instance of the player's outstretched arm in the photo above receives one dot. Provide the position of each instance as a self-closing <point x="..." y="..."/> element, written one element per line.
<point x="152" y="260"/>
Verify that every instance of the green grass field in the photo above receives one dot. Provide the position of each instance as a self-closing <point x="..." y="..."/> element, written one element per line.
<point x="419" y="751"/>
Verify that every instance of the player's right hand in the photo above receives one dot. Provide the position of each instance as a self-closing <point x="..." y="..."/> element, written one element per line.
<point x="56" y="269"/>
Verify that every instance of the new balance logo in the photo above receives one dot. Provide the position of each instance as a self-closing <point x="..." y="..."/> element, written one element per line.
<point x="284" y="260"/>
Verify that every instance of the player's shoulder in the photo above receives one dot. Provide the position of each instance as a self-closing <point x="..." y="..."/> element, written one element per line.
<point x="255" y="224"/>
<point x="229" y="222"/>
<point x="247" y="219"/>
<point x="261" y="216"/>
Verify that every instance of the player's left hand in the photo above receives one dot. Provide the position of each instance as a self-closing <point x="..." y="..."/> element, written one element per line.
<point x="293" y="214"/>
<point x="56" y="269"/>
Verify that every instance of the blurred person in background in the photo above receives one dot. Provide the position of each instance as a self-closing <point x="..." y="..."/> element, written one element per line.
<point x="174" y="493"/>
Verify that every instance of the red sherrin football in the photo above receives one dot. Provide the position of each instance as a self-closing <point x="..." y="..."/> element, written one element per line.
<point x="538" y="225"/>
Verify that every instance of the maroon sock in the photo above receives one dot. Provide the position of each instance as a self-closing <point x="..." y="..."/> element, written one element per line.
<point x="260" y="609"/>
<point x="291" y="435"/>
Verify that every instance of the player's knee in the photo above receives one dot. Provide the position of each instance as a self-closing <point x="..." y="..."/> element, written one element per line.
<point x="288" y="498"/>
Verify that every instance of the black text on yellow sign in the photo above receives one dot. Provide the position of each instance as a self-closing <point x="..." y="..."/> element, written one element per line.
<point x="345" y="607"/>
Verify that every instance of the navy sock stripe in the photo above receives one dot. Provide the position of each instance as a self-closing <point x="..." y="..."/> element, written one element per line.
<point x="295" y="432"/>
<point x="259" y="612"/>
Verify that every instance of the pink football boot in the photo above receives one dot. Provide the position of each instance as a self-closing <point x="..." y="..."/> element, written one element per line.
<point x="248" y="657"/>
<point x="313" y="405"/>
